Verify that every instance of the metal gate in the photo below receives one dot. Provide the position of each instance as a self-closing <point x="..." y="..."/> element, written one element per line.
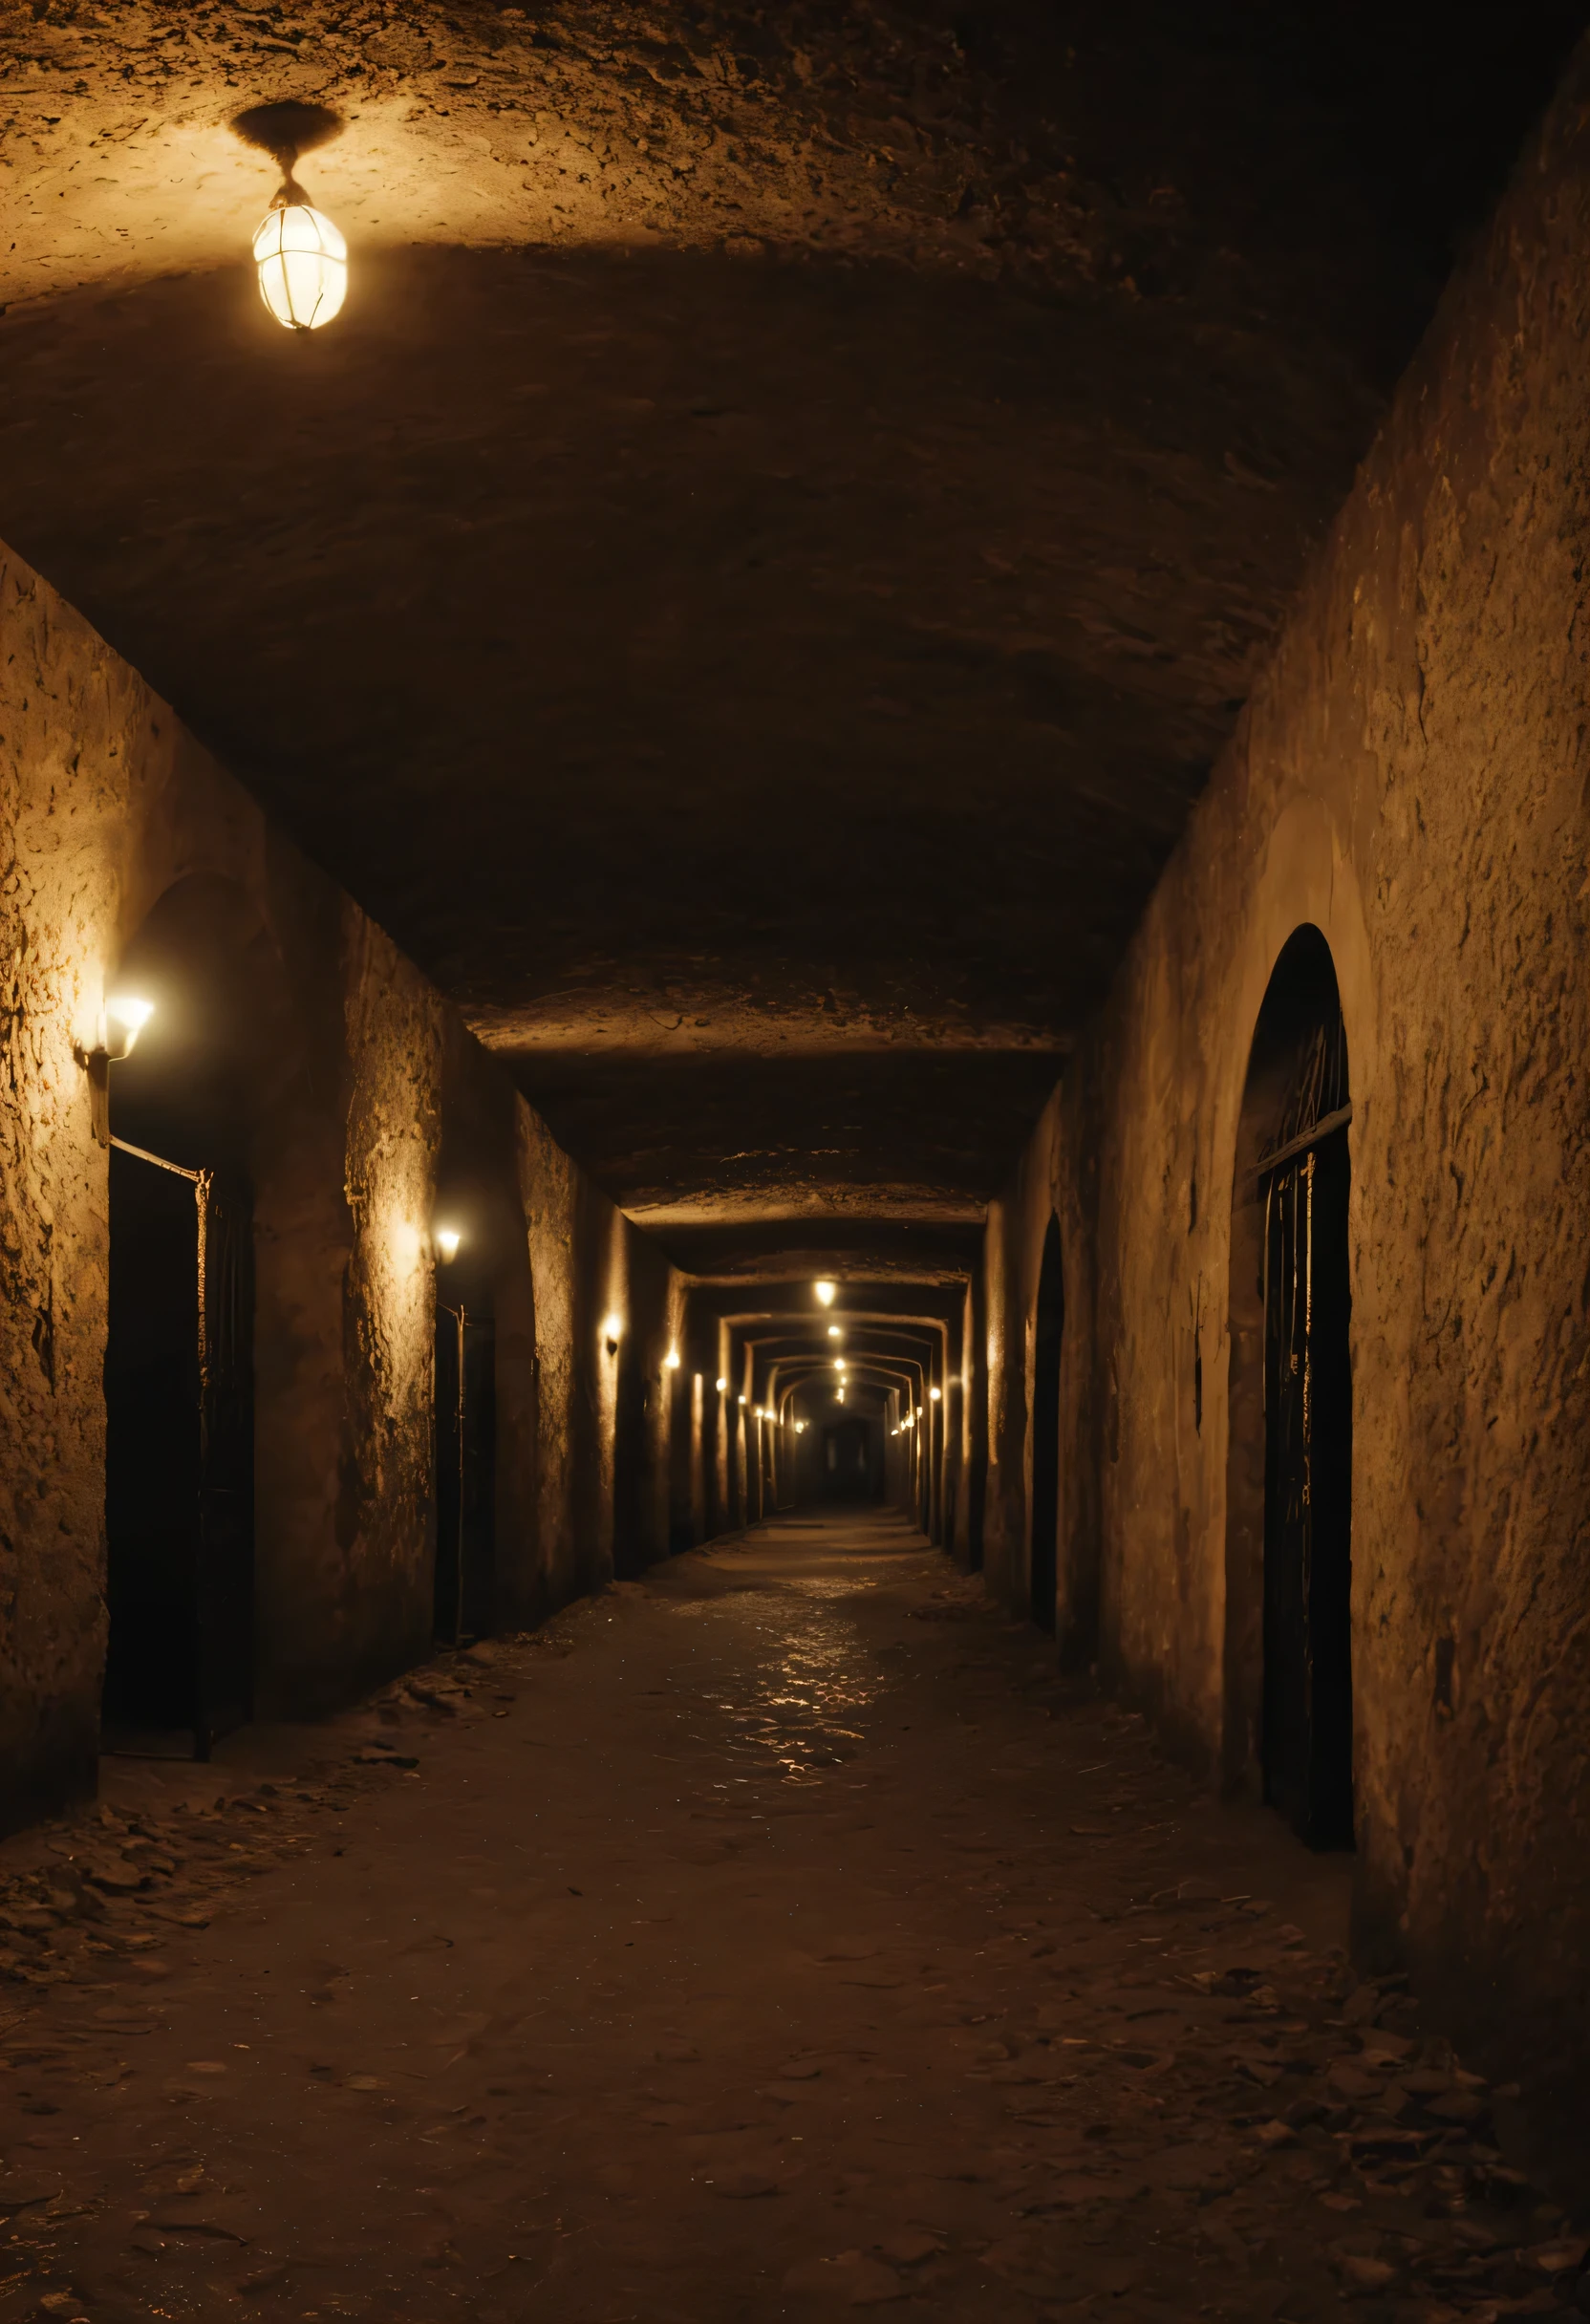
<point x="180" y="1453"/>
<point x="1307" y="1715"/>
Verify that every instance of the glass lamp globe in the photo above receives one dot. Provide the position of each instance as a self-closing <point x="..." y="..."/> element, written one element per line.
<point x="303" y="266"/>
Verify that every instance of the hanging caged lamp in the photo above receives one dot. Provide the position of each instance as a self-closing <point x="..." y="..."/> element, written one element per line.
<point x="302" y="260"/>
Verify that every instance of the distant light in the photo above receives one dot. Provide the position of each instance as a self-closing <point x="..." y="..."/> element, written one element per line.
<point x="612" y="1327"/>
<point x="800" y="1428"/>
<point x="303" y="266"/>
<point x="670" y="1362"/>
<point x="825" y="1293"/>
<point x="839" y="1364"/>
<point x="126" y="1018"/>
<point x="742" y="1400"/>
<point x="934" y="1393"/>
<point x="720" y="1385"/>
<point x="835" y="1332"/>
<point x="447" y="1241"/>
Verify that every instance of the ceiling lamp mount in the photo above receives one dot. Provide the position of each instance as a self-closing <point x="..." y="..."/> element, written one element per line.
<point x="300" y="256"/>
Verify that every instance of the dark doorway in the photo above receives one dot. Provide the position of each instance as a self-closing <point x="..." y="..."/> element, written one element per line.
<point x="179" y="1457"/>
<point x="847" y="1466"/>
<point x="466" y="1472"/>
<point x="179" y="1367"/>
<point x="1044" y="1554"/>
<point x="1302" y="1184"/>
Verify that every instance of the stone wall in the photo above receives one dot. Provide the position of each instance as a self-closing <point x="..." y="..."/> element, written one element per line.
<point x="1412" y="777"/>
<point x="364" y="1101"/>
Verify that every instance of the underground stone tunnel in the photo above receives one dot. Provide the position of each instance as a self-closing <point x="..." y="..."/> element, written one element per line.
<point x="793" y="1161"/>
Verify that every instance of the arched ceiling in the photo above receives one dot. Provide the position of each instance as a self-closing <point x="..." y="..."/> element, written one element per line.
<point x="752" y="583"/>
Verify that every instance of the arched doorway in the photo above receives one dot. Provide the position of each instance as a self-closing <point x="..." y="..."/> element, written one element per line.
<point x="1289" y="1547"/>
<point x="1044" y="1553"/>
<point x="181" y="1109"/>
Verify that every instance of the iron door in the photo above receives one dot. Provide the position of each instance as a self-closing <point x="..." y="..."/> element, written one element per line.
<point x="226" y="1548"/>
<point x="152" y="1447"/>
<point x="1307" y="1473"/>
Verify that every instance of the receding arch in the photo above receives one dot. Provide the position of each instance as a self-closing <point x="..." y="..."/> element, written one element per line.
<point x="1288" y="1652"/>
<point x="1048" y="1336"/>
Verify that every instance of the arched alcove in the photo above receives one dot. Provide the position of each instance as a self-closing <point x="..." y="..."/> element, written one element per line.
<point x="193" y="1111"/>
<point x="1043" y="1551"/>
<point x="1288" y="1654"/>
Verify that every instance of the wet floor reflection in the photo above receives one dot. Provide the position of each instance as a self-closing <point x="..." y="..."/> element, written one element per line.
<point x="792" y="1695"/>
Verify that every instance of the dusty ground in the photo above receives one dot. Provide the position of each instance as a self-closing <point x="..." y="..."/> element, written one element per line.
<point x="945" y="1990"/>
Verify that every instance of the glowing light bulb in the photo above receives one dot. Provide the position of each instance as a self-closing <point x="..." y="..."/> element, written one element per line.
<point x="742" y="1400"/>
<point x="935" y="1393"/>
<point x="670" y="1363"/>
<point x="447" y="1241"/>
<point x="126" y="1018"/>
<point x="839" y="1364"/>
<point x="613" y="1326"/>
<point x="835" y="1332"/>
<point x="303" y="266"/>
<point x="720" y="1385"/>
<point x="825" y="1293"/>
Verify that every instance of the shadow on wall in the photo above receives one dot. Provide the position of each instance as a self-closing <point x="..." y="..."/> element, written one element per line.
<point x="1288" y="1646"/>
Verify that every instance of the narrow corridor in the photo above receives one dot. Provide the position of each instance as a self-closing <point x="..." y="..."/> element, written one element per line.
<point x="775" y="1935"/>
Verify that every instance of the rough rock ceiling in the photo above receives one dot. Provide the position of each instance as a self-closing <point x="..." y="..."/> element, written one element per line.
<point x="752" y="583"/>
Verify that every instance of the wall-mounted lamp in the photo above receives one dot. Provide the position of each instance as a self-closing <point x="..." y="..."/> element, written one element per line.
<point x="800" y="1428"/>
<point x="742" y="1400"/>
<point x="835" y="1332"/>
<point x="613" y="1331"/>
<point x="670" y="1363"/>
<point x="719" y="1386"/>
<point x="839" y="1364"/>
<point x="824" y="1294"/>
<point x="447" y="1241"/>
<point x="935" y="1393"/>
<point x="126" y="1018"/>
<point x="121" y="1020"/>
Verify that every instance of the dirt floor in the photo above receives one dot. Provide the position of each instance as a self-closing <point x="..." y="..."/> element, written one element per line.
<point x="946" y="1989"/>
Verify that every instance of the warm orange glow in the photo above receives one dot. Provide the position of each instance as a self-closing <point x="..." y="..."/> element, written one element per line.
<point x="613" y="1326"/>
<point x="447" y="1241"/>
<point x="719" y="1386"/>
<point x="835" y="1332"/>
<point x="825" y="1293"/>
<point x="935" y="1393"/>
<point x="670" y="1362"/>
<point x="126" y="1018"/>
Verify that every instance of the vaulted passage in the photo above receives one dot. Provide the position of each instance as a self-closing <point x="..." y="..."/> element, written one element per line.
<point x="794" y="1190"/>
